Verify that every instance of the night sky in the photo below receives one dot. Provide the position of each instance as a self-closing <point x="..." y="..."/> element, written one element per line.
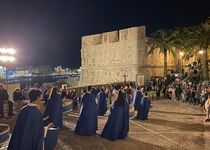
<point x="48" y="32"/>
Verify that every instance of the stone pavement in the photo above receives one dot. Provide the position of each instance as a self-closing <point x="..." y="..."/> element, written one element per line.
<point x="171" y="125"/>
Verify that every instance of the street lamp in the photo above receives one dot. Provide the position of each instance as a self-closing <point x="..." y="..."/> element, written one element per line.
<point x="201" y="52"/>
<point x="181" y="54"/>
<point x="9" y="51"/>
<point x="6" y="56"/>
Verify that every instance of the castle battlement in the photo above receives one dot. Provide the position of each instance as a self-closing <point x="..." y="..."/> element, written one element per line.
<point x="124" y="35"/>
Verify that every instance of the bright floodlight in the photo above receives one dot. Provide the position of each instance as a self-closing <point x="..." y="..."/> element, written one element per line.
<point x="7" y="58"/>
<point x="181" y="54"/>
<point x="201" y="52"/>
<point x="10" y="51"/>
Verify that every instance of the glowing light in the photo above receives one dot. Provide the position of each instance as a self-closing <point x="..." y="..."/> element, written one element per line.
<point x="9" y="51"/>
<point x="181" y="54"/>
<point x="201" y="52"/>
<point x="7" y="58"/>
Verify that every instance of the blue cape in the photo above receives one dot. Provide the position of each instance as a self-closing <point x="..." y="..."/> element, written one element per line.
<point x="102" y="104"/>
<point x="54" y="111"/>
<point x="28" y="133"/>
<point x="117" y="125"/>
<point x="87" y="121"/>
<point x="143" y="110"/>
<point x="137" y="100"/>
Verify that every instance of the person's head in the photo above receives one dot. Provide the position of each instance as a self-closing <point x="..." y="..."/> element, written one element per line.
<point x="116" y="87"/>
<point x="89" y="88"/>
<point x="17" y="90"/>
<point x="120" y="96"/>
<point x="120" y="99"/>
<point x="101" y="90"/>
<point x="48" y="91"/>
<point x="146" y="94"/>
<point x="36" y="85"/>
<point x="65" y="88"/>
<point x="27" y="86"/>
<point x="125" y="88"/>
<point x="35" y="96"/>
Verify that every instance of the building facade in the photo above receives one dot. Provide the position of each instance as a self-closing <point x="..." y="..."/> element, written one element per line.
<point x="118" y="55"/>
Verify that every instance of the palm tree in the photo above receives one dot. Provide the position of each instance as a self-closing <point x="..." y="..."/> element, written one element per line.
<point x="198" y="38"/>
<point x="177" y="44"/>
<point x="161" y="41"/>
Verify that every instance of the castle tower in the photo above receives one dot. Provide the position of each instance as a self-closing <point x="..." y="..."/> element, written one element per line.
<point x="110" y="56"/>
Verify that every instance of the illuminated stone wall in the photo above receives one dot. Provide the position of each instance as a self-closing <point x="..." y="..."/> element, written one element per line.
<point x="107" y="56"/>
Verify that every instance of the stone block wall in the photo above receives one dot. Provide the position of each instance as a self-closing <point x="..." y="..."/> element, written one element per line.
<point x="106" y="57"/>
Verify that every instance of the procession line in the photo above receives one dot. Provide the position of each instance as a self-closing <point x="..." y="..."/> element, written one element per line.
<point x="134" y="122"/>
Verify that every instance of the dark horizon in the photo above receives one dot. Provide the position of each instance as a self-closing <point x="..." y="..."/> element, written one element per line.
<point x="49" y="32"/>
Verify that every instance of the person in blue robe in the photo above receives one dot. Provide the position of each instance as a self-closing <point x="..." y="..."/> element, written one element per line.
<point x="53" y="112"/>
<point x="140" y="113"/>
<point x="28" y="133"/>
<point x="87" y="121"/>
<point x="137" y="99"/>
<point x="118" y="121"/>
<point x="102" y="103"/>
<point x="143" y="110"/>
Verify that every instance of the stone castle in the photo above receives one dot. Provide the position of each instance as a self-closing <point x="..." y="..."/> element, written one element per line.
<point x="110" y="57"/>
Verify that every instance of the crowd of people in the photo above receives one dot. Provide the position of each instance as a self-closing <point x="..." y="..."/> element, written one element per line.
<point x="93" y="102"/>
<point x="191" y="91"/>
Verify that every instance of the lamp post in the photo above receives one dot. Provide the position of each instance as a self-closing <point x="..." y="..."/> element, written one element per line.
<point x="181" y="54"/>
<point x="6" y="56"/>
